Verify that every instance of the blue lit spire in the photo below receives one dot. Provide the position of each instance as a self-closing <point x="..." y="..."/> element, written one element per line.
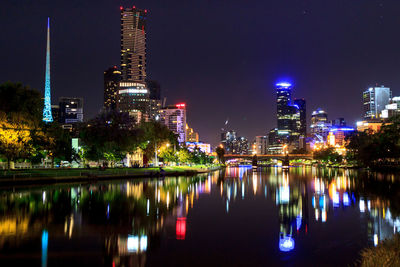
<point x="47" y="117"/>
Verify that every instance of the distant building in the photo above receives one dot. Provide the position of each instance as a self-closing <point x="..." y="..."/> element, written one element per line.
<point x="206" y="148"/>
<point x="319" y="123"/>
<point x="373" y="125"/>
<point x="134" y="99"/>
<point x="154" y="98"/>
<point x="375" y="100"/>
<point x="391" y="109"/>
<point x="71" y="110"/>
<point x="339" y="122"/>
<point x="261" y="145"/>
<point x="336" y="136"/>
<point x="301" y="105"/>
<point x="174" y="117"/>
<point x="275" y="143"/>
<point x="191" y="135"/>
<point x="55" y="111"/>
<point x="234" y="144"/>
<point x="112" y="78"/>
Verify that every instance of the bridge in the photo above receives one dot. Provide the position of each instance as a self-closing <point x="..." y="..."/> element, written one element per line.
<point x="268" y="156"/>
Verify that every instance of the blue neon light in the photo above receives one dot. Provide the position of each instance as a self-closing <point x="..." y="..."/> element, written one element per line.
<point x="346" y="200"/>
<point x="284" y="84"/>
<point x="342" y="129"/>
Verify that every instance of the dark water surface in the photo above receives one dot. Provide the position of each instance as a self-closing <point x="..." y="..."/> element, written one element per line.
<point x="235" y="217"/>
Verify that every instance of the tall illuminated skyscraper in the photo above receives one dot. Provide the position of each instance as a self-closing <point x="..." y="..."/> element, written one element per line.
<point x="133" y="94"/>
<point x="375" y="100"/>
<point x="47" y="117"/>
<point x="133" y="44"/>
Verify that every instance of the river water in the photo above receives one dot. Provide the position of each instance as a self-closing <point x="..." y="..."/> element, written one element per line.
<point x="234" y="217"/>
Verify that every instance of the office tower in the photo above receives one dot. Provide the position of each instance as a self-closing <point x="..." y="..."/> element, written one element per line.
<point x="133" y="44"/>
<point x="174" y="117"/>
<point x="375" y="100"/>
<point x="112" y="77"/>
<point x="288" y="115"/>
<point x="133" y="98"/>
<point x="191" y="135"/>
<point x="71" y="110"/>
<point x="392" y="109"/>
<point x="261" y="145"/>
<point x="47" y="117"/>
<point x="319" y="123"/>
<point x="133" y="95"/>
<point x="154" y="98"/>
<point x="301" y="105"/>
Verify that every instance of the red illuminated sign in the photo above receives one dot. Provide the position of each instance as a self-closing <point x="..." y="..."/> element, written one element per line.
<point x="180" y="105"/>
<point x="180" y="228"/>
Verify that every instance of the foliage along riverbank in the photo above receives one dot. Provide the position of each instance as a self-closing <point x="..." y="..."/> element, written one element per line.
<point x="386" y="253"/>
<point x="44" y="176"/>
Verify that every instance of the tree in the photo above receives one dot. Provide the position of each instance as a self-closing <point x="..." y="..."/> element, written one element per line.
<point x="328" y="155"/>
<point x="183" y="155"/>
<point x="15" y="137"/>
<point x="220" y="154"/>
<point x="16" y="98"/>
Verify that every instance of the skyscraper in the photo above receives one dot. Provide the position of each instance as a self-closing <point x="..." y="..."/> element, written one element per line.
<point x="301" y="105"/>
<point x="112" y="77"/>
<point x="47" y="117"/>
<point x="375" y="100"/>
<point x="288" y="115"/>
<point x="133" y="44"/>
<point x="319" y="123"/>
<point x="133" y="95"/>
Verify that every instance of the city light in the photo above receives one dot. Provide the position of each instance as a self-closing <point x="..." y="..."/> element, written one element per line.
<point x="286" y="244"/>
<point x="284" y="84"/>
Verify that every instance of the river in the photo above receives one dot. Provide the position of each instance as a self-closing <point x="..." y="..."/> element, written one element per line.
<point x="234" y="217"/>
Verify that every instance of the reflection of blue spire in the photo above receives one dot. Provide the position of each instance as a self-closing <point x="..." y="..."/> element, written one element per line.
<point x="47" y="117"/>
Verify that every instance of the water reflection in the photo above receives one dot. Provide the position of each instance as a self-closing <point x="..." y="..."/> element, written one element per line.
<point x="127" y="223"/>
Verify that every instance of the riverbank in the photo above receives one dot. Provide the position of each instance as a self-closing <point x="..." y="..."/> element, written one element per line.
<point x="386" y="253"/>
<point x="50" y="176"/>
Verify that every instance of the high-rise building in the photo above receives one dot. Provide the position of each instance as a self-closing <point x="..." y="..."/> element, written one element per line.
<point x="391" y="109"/>
<point x="261" y="145"/>
<point x="375" y="100"/>
<point x="191" y="135"/>
<point x="112" y="77"/>
<point x="133" y="44"/>
<point x="71" y="110"/>
<point x="174" y="117"/>
<point x="134" y="99"/>
<point x="319" y="123"/>
<point x="154" y="98"/>
<point x="133" y="95"/>
<point x="300" y="103"/>
<point x="288" y="115"/>
<point x="55" y="111"/>
<point x="47" y="117"/>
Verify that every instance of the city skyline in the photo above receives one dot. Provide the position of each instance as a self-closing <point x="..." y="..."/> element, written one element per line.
<point x="216" y="76"/>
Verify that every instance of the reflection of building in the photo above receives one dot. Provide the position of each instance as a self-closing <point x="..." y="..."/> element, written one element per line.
<point x="174" y="117"/>
<point x="375" y="100"/>
<point x="71" y="110"/>
<point x="112" y="77"/>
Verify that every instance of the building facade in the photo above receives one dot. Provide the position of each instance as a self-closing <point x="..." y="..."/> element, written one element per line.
<point x="319" y="123"/>
<point x="70" y="110"/>
<point x="191" y="135"/>
<point x="134" y="98"/>
<point x="300" y="103"/>
<point x="261" y="145"/>
<point x="174" y="117"/>
<point x="375" y="100"/>
<point x="112" y="78"/>
<point x="133" y="44"/>
<point x="154" y="98"/>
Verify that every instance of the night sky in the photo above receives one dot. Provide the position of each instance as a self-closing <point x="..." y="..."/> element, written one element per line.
<point x="220" y="57"/>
